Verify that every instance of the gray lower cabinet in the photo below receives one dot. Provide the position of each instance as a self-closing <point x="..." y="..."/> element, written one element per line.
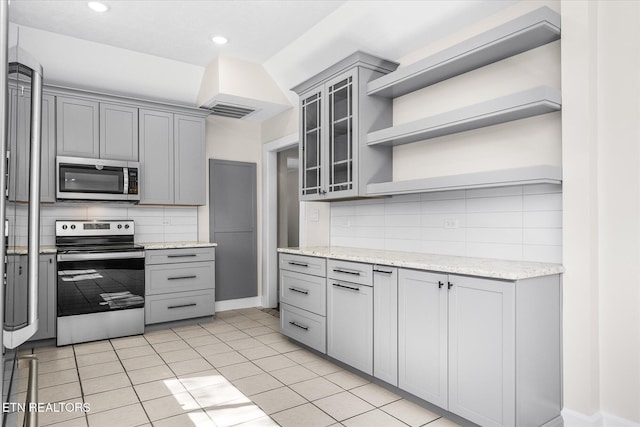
<point x="350" y="313"/>
<point x="179" y="284"/>
<point x="423" y="335"/>
<point x="19" y="133"/>
<point x="17" y="270"/>
<point x="385" y="324"/>
<point x="47" y="306"/>
<point x="303" y="291"/>
<point x="458" y="347"/>
<point x="172" y="157"/>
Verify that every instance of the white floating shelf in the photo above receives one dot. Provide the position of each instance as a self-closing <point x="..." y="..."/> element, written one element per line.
<point x="529" y="31"/>
<point x="532" y="102"/>
<point x="543" y="174"/>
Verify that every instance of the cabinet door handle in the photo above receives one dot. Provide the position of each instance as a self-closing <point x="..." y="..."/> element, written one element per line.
<point x="449" y="285"/>
<point x="346" y="287"/>
<point x="375" y="270"/>
<point x="299" y="291"/>
<point x="193" y="304"/>
<point x="339" y="270"/>
<point x="440" y="284"/>
<point x="182" y="277"/>
<point x="299" y="264"/>
<point x="306" y="328"/>
<point x="181" y="255"/>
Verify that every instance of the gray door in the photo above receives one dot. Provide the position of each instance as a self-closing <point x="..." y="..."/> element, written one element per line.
<point x="232" y="225"/>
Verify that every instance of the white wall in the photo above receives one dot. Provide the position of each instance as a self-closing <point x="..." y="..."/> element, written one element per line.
<point x="515" y="223"/>
<point x="83" y="64"/>
<point x="601" y="167"/>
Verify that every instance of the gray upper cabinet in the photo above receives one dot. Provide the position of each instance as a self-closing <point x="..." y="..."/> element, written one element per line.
<point x="335" y="117"/>
<point x="94" y="129"/>
<point x="118" y="132"/>
<point x="156" y="157"/>
<point x="172" y="158"/>
<point x="77" y="127"/>
<point x="189" y="155"/>
<point x="19" y="134"/>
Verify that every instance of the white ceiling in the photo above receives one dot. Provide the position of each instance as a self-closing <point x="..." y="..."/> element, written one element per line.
<point x="292" y="39"/>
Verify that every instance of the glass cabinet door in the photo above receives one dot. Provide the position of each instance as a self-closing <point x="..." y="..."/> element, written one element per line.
<point x="341" y="134"/>
<point x="311" y="173"/>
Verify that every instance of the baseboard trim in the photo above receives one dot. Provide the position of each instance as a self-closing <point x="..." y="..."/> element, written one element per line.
<point x="234" y="304"/>
<point x="599" y="419"/>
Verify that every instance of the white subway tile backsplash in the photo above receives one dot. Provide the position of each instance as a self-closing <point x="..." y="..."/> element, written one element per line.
<point x="516" y="223"/>
<point x="153" y="223"/>
<point x="542" y="219"/>
<point x="494" y="219"/>
<point x="495" y="204"/>
<point x="543" y="202"/>
<point x="494" y="250"/>
<point x="495" y="235"/>
<point x="444" y="206"/>
<point x="543" y="236"/>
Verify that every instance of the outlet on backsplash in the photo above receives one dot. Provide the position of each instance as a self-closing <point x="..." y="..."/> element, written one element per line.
<point x="451" y="223"/>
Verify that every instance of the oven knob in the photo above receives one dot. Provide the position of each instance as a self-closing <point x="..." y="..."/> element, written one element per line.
<point x="73" y="227"/>
<point x="64" y="227"/>
<point x="119" y="226"/>
<point x="126" y="226"/>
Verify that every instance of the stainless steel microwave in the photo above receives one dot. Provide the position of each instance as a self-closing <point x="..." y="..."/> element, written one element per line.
<point x="96" y="179"/>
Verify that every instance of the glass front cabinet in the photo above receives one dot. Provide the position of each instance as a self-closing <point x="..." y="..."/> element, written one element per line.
<point x="335" y="117"/>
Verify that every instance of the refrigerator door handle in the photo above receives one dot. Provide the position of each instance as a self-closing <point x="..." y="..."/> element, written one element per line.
<point x="13" y="339"/>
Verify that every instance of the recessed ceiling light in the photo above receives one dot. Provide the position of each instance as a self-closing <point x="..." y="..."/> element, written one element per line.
<point x="97" y="6"/>
<point x="219" y="39"/>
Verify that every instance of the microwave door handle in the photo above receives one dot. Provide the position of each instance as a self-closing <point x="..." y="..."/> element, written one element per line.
<point x="15" y="338"/>
<point x="126" y="180"/>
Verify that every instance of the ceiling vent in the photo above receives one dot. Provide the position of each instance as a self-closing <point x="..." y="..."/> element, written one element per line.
<point x="228" y="110"/>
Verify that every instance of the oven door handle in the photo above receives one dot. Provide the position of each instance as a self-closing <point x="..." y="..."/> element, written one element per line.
<point x="100" y="256"/>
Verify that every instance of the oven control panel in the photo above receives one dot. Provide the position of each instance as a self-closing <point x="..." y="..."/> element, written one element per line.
<point x="94" y="228"/>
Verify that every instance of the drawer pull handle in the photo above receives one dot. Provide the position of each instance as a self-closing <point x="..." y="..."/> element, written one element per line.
<point x="193" y="304"/>
<point x="306" y="328"/>
<point x="346" y="287"/>
<point x="339" y="270"/>
<point x="299" y="264"/>
<point x="182" y="277"/>
<point x="375" y="270"/>
<point x="181" y="255"/>
<point x="299" y="291"/>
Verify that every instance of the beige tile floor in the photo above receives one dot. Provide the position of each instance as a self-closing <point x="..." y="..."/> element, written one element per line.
<point x="236" y="370"/>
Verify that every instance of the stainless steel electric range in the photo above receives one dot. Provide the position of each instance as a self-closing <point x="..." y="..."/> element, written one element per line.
<point x="100" y="281"/>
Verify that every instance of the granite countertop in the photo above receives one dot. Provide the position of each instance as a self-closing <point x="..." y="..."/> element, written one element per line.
<point x="482" y="267"/>
<point x="177" y="245"/>
<point x="22" y="250"/>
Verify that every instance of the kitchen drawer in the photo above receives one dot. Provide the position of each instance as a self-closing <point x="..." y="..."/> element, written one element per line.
<point x="178" y="306"/>
<point x="303" y="264"/>
<point x="190" y="276"/>
<point x="304" y="291"/>
<point x="354" y="272"/>
<point x="303" y="326"/>
<point x="165" y="256"/>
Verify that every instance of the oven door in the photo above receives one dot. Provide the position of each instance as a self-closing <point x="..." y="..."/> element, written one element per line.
<point x="100" y="282"/>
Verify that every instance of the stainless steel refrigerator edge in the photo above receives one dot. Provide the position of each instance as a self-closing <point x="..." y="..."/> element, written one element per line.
<point x="13" y="335"/>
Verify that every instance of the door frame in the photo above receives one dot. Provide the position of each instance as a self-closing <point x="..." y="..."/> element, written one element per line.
<point x="270" y="152"/>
